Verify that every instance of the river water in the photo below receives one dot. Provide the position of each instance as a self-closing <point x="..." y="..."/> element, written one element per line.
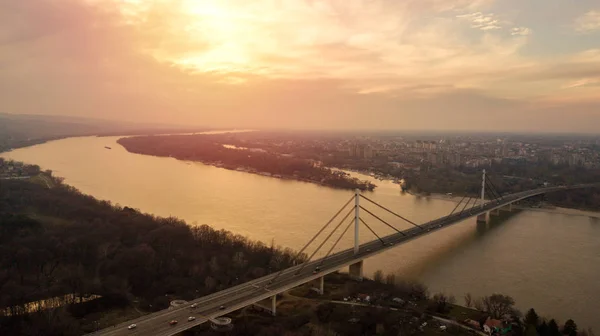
<point x="544" y="260"/>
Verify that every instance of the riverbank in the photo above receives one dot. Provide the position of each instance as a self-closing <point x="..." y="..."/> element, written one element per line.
<point x="30" y="214"/>
<point x="291" y="213"/>
<point x="547" y="208"/>
<point x="199" y="148"/>
<point x="277" y="176"/>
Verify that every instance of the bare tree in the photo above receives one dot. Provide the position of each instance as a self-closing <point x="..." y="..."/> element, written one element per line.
<point x="390" y="279"/>
<point x="478" y="304"/>
<point x="498" y="305"/>
<point x="442" y="302"/>
<point x="378" y="276"/>
<point x="468" y="300"/>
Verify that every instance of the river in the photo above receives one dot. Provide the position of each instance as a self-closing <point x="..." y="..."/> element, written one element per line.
<point x="544" y="260"/>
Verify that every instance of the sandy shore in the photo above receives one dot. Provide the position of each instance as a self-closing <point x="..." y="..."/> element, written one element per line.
<point x="556" y="210"/>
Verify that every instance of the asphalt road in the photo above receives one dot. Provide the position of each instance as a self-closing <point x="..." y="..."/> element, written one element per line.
<point x="251" y="292"/>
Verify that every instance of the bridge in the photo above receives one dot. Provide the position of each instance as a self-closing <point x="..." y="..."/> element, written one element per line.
<point x="209" y="308"/>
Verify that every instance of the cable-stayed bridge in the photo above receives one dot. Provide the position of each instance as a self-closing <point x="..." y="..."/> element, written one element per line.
<point x="213" y="306"/>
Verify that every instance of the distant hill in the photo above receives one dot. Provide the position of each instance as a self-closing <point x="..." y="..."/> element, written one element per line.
<point x="26" y="130"/>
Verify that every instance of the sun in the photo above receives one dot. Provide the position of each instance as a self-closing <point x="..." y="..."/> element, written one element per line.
<point x="209" y="35"/>
<point x="227" y="31"/>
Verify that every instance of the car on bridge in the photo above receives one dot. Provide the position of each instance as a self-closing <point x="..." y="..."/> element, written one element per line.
<point x="191" y="318"/>
<point x="194" y="305"/>
<point x="317" y="270"/>
<point x="132" y="326"/>
<point x="173" y="322"/>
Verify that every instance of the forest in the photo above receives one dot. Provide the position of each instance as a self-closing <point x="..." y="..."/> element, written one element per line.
<point x="57" y="241"/>
<point x="507" y="179"/>
<point x="207" y="149"/>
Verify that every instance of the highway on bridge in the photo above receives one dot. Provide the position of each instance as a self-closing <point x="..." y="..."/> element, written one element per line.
<point x="232" y="299"/>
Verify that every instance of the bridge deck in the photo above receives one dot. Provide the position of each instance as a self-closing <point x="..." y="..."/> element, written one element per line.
<point x="251" y="292"/>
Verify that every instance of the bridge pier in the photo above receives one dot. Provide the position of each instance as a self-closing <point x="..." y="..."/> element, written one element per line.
<point x="356" y="271"/>
<point x="495" y="212"/>
<point x="322" y="285"/>
<point x="274" y="305"/>
<point x="483" y="218"/>
<point x="507" y="208"/>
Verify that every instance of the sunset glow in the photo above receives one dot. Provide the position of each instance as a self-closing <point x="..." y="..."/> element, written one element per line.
<point x="220" y="61"/>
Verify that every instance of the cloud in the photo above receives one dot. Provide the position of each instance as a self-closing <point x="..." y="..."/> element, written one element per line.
<point x="588" y="22"/>
<point x="521" y="31"/>
<point x="481" y="21"/>
<point x="360" y="63"/>
<point x="583" y="82"/>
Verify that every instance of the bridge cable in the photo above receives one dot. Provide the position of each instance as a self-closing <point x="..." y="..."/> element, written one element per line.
<point x="390" y="211"/>
<point x="463" y="209"/>
<point x="491" y="192"/>
<point x="314" y="237"/>
<point x="336" y="242"/>
<point x="499" y="198"/>
<point x="325" y="240"/>
<point x="494" y="186"/>
<point x="381" y="220"/>
<point x="474" y="205"/>
<point x="456" y="207"/>
<point x="496" y="190"/>
<point x="368" y="227"/>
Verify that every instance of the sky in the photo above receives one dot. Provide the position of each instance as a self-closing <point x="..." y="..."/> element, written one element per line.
<point x="485" y="65"/>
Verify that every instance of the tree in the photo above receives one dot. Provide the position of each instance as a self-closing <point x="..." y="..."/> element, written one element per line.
<point x="530" y="331"/>
<point x="570" y="328"/>
<point x="324" y="312"/>
<point x="210" y="283"/>
<point x="468" y="300"/>
<point x="442" y="302"/>
<point x="543" y="329"/>
<point x="553" y="328"/>
<point x="498" y="305"/>
<point x="532" y="318"/>
<point x="390" y="279"/>
<point x="478" y="304"/>
<point x="116" y="252"/>
<point x="378" y="276"/>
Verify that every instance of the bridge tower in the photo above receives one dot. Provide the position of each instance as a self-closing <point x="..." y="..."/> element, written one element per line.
<point x="484" y="217"/>
<point x="356" y="269"/>
<point x="483" y="189"/>
<point x="356" y="219"/>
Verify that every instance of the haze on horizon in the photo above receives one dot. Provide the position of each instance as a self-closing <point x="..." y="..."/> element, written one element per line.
<point x="486" y="65"/>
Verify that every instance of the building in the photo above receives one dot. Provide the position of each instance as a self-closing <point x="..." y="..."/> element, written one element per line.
<point x="454" y="159"/>
<point x="504" y="150"/>
<point x="361" y="151"/>
<point x="432" y="158"/>
<point x="576" y="160"/>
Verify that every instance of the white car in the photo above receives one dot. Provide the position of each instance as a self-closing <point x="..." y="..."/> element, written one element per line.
<point x="194" y="305"/>
<point x="132" y="326"/>
<point x="191" y="318"/>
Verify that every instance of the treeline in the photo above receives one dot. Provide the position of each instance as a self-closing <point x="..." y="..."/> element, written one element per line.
<point x="496" y="306"/>
<point x="510" y="179"/>
<point x="58" y="241"/>
<point x="208" y="149"/>
<point x="536" y="325"/>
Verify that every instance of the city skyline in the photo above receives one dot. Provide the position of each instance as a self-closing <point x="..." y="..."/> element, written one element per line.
<point x="438" y="65"/>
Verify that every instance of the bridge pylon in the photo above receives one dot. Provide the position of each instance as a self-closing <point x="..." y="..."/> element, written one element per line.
<point x="483" y="189"/>
<point x="356" y="219"/>
<point x="484" y="217"/>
